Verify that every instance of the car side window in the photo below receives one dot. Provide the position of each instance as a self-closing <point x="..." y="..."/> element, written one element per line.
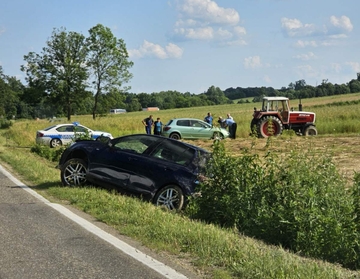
<point x="80" y="129"/>
<point x="183" y="123"/>
<point x="175" y="153"/>
<point x="196" y="124"/>
<point x="63" y="129"/>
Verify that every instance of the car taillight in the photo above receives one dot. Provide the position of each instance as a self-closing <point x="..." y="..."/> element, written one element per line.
<point x="40" y="135"/>
<point x="167" y="128"/>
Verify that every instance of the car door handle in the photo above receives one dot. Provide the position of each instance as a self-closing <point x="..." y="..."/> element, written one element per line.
<point x="168" y="169"/>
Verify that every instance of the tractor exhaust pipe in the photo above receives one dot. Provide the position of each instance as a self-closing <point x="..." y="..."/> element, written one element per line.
<point x="300" y="105"/>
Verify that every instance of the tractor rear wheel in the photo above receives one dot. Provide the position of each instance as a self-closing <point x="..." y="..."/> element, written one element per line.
<point x="269" y="126"/>
<point x="310" y="131"/>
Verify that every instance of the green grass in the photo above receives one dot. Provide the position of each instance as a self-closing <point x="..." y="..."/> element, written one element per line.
<point x="221" y="253"/>
<point x="329" y="120"/>
<point x="218" y="253"/>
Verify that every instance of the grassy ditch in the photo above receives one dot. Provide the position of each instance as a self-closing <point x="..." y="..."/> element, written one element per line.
<point x="216" y="252"/>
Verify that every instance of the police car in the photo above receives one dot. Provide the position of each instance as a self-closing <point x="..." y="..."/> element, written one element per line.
<point x="63" y="134"/>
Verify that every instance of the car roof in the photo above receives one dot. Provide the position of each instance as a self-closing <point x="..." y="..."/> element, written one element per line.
<point x="170" y="140"/>
<point x="64" y="124"/>
<point x="187" y="118"/>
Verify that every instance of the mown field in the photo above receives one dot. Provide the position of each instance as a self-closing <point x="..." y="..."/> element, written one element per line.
<point x="209" y="249"/>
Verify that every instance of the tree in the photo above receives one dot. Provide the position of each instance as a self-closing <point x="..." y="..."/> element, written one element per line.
<point x="108" y="62"/>
<point x="60" y="69"/>
<point x="300" y="84"/>
<point x="9" y="98"/>
<point x="354" y="86"/>
<point x="216" y="96"/>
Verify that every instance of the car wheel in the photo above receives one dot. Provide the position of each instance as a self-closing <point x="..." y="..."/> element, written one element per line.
<point x="55" y="143"/>
<point x="170" y="197"/>
<point x="73" y="172"/>
<point x="175" y="136"/>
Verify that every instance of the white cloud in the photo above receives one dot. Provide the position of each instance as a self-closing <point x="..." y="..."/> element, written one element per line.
<point x="295" y="28"/>
<point x="2" y="29"/>
<point x="336" y="67"/>
<point x="267" y="79"/>
<point x="188" y="22"/>
<point x="149" y="49"/>
<point x="303" y="44"/>
<point x="223" y="34"/>
<point x="306" y="71"/>
<point x="205" y="20"/>
<point x="174" y="51"/>
<point x="338" y="36"/>
<point x="306" y="56"/>
<point x="205" y="33"/>
<point x="329" y="34"/>
<point x="342" y="23"/>
<point x="252" y="62"/>
<point x="239" y="30"/>
<point x="209" y="11"/>
<point x="355" y="66"/>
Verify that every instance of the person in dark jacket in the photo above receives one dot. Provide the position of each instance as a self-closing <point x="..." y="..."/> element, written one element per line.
<point x="148" y="123"/>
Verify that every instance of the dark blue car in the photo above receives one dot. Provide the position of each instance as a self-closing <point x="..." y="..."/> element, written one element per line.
<point x="163" y="170"/>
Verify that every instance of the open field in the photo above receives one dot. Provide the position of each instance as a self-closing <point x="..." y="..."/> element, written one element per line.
<point x="210" y="251"/>
<point x="344" y="149"/>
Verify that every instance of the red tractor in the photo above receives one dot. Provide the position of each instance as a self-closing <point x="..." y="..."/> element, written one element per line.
<point x="276" y="115"/>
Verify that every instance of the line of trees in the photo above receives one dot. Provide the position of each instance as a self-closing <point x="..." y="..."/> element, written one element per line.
<point x="296" y="90"/>
<point x="75" y="74"/>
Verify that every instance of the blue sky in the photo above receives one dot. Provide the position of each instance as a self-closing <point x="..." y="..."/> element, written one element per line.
<point x="190" y="45"/>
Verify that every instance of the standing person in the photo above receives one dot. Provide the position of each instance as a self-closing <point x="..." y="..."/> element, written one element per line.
<point x="208" y="118"/>
<point x="157" y="127"/>
<point x="148" y="123"/>
<point x="232" y="126"/>
<point x="229" y="116"/>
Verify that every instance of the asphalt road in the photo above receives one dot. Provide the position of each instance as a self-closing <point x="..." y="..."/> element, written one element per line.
<point x="39" y="239"/>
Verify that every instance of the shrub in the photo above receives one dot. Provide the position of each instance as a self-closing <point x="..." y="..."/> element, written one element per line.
<point x="297" y="200"/>
<point x="51" y="154"/>
<point x="5" y="124"/>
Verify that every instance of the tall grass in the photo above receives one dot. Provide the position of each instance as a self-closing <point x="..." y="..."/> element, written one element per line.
<point x="330" y="120"/>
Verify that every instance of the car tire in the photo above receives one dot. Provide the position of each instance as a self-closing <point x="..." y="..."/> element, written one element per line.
<point x="170" y="197"/>
<point x="73" y="172"/>
<point x="55" y="143"/>
<point x="175" y="136"/>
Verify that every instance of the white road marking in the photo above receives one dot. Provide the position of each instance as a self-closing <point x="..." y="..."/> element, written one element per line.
<point x="159" y="267"/>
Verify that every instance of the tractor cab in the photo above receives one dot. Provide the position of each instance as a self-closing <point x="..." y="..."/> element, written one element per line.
<point x="274" y="105"/>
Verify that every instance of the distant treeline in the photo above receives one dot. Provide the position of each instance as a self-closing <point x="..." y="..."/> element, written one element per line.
<point x="31" y="101"/>
<point x="296" y="90"/>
